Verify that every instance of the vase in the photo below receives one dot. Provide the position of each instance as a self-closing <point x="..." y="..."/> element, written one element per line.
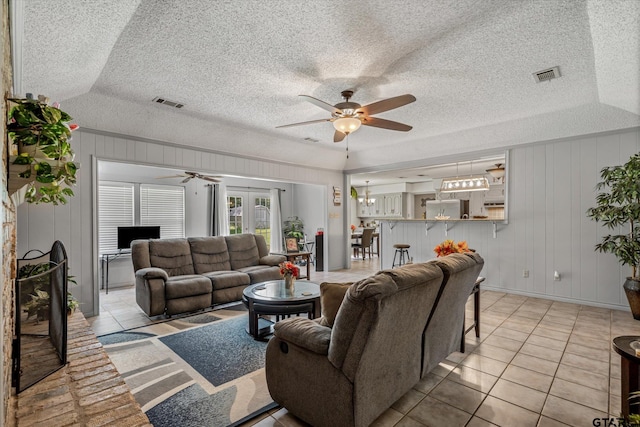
<point x="632" y="290"/>
<point x="289" y="282"/>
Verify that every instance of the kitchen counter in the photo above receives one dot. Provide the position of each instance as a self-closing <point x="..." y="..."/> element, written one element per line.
<point x="443" y="220"/>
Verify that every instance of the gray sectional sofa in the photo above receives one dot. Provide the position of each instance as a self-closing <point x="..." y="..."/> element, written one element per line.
<point x="181" y="275"/>
<point x="389" y="331"/>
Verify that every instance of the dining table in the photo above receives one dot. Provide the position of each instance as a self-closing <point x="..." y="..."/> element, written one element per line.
<point x="376" y="236"/>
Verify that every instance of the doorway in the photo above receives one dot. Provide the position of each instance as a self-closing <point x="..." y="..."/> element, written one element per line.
<point x="250" y="212"/>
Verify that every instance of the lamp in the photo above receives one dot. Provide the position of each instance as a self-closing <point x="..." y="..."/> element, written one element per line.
<point x="456" y="185"/>
<point x="347" y="125"/>
<point x="497" y="172"/>
<point x="366" y="200"/>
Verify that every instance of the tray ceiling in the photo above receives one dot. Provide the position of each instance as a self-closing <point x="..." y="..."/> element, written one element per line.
<point x="238" y="68"/>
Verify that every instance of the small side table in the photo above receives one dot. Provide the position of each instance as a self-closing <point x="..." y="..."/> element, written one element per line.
<point x="475" y="291"/>
<point x="628" y="371"/>
<point x="291" y="257"/>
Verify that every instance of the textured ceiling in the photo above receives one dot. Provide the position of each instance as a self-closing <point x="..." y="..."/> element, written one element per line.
<point x="239" y="66"/>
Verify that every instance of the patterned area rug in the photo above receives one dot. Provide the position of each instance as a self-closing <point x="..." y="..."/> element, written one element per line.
<point x="206" y="375"/>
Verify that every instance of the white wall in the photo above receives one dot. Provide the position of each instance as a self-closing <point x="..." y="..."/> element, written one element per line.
<point x="40" y="225"/>
<point x="551" y="186"/>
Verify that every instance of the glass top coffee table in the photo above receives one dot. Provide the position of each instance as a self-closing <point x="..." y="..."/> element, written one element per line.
<point x="273" y="298"/>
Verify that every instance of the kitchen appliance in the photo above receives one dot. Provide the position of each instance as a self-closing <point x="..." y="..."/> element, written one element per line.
<point x="453" y="208"/>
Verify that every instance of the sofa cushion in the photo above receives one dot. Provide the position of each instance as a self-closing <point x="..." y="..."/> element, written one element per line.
<point x="243" y="251"/>
<point x="227" y="279"/>
<point x="171" y="255"/>
<point x="331" y="296"/>
<point x="209" y="254"/>
<point x="187" y="286"/>
<point x="272" y="259"/>
<point x="261" y="273"/>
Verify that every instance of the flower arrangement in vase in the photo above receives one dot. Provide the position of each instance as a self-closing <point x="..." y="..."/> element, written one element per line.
<point x="451" y="247"/>
<point x="40" y="135"/>
<point x="289" y="272"/>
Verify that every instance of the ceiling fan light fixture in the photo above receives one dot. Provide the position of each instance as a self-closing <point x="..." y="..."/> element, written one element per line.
<point x="347" y="125"/>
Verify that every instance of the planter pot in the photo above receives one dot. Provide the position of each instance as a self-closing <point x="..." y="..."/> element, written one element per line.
<point x="632" y="289"/>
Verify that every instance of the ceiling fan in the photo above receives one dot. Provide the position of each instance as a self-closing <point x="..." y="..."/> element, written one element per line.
<point x="348" y="116"/>
<point x="188" y="176"/>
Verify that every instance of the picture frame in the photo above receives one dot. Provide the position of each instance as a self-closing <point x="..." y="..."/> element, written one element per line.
<point x="291" y="244"/>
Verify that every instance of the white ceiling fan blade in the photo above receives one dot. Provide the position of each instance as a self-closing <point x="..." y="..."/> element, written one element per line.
<point x="170" y="176"/>
<point x="187" y="179"/>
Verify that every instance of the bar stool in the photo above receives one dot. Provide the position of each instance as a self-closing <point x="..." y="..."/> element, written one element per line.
<point x="401" y="248"/>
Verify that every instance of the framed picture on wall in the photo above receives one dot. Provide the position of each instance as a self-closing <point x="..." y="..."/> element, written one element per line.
<point x="292" y="244"/>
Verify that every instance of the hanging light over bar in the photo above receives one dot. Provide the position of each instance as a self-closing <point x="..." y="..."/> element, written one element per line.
<point x="457" y="185"/>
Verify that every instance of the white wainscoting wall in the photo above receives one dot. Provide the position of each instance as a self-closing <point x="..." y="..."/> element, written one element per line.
<point x="551" y="186"/>
<point x="40" y="225"/>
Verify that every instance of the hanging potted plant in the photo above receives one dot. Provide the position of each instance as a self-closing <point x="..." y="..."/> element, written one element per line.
<point x="42" y="165"/>
<point x="619" y="206"/>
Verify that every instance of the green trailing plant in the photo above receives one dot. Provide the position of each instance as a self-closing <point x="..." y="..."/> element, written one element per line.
<point x="618" y="205"/>
<point x="40" y="134"/>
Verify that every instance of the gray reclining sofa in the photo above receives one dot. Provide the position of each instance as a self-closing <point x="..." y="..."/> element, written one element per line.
<point x="182" y="275"/>
<point x="390" y="330"/>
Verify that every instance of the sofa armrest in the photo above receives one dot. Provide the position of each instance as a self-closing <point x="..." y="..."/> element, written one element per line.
<point x="272" y="260"/>
<point x="304" y="333"/>
<point x="152" y="273"/>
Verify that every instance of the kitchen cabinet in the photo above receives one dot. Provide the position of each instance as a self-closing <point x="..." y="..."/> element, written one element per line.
<point x="476" y="204"/>
<point x="495" y="194"/>
<point x="391" y="205"/>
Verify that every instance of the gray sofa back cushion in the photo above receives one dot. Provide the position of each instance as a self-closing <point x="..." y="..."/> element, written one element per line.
<point x="171" y="255"/>
<point x="444" y="331"/>
<point x="263" y="249"/>
<point x="140" y="254"/>
<point x="243" y="251"/>
<point x="209" y="254"/>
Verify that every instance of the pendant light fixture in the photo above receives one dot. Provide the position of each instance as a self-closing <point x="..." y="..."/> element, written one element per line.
<point x="368" y="201"/>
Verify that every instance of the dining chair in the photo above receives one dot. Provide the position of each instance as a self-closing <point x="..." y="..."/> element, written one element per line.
<point x="366" y="241"/>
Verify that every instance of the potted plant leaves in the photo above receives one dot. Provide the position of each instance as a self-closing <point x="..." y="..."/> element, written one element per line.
<point x="294" y="227"/>
<point x="618" y="207"/>
<point x="42" y="158"/>
<point x="35" y="293"/>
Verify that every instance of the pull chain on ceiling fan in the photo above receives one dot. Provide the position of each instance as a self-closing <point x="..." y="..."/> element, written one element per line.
<point x="347" y="116"/>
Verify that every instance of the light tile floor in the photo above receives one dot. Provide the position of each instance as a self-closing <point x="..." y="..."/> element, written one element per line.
<point x="537" y="363"/>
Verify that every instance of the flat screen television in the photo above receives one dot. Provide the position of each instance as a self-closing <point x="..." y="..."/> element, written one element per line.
<point x="127" y="234"/>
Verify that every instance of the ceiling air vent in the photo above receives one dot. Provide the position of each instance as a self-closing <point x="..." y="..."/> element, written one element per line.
<point x="308" y="139"/>
<point x="167" y="102"/>
<point x="546" y="75"/>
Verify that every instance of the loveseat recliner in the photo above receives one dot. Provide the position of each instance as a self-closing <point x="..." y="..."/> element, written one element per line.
<point x="389" y="331"/>
<point x="182" y="275"/>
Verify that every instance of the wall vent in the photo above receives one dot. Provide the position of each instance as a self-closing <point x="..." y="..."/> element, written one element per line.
<point x="546" y="75"/>
<point x="311" y="139"/>
<point x="167" y="102"/>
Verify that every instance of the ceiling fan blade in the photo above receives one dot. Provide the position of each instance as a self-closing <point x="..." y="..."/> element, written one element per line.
<point x="322" y="105"/>
<point x="210" y="178"/>
<point x="169" y="176"/>
<point x="304" y="123"/>
<point x="387" y="104"/>
<point x="338" y="136"/>
<point x="385" y="124"/>
<point x="187" y="179"/>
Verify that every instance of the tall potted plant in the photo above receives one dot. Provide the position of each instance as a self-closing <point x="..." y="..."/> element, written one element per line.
<point x="42" y="158"/>
<point x="618" y="205"/>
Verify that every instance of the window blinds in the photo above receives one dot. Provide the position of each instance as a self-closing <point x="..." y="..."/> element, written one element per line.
<point x="163" y="205"/>
<point x="115" y="209"/>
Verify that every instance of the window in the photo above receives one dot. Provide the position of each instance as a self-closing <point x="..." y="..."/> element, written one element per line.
<point x="163" y="205"/>
<point x="115" y="209"/>
<point x="122" y="204"/>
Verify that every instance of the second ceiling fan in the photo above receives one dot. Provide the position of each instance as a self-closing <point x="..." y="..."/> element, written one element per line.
<point x="348" y="116"/>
